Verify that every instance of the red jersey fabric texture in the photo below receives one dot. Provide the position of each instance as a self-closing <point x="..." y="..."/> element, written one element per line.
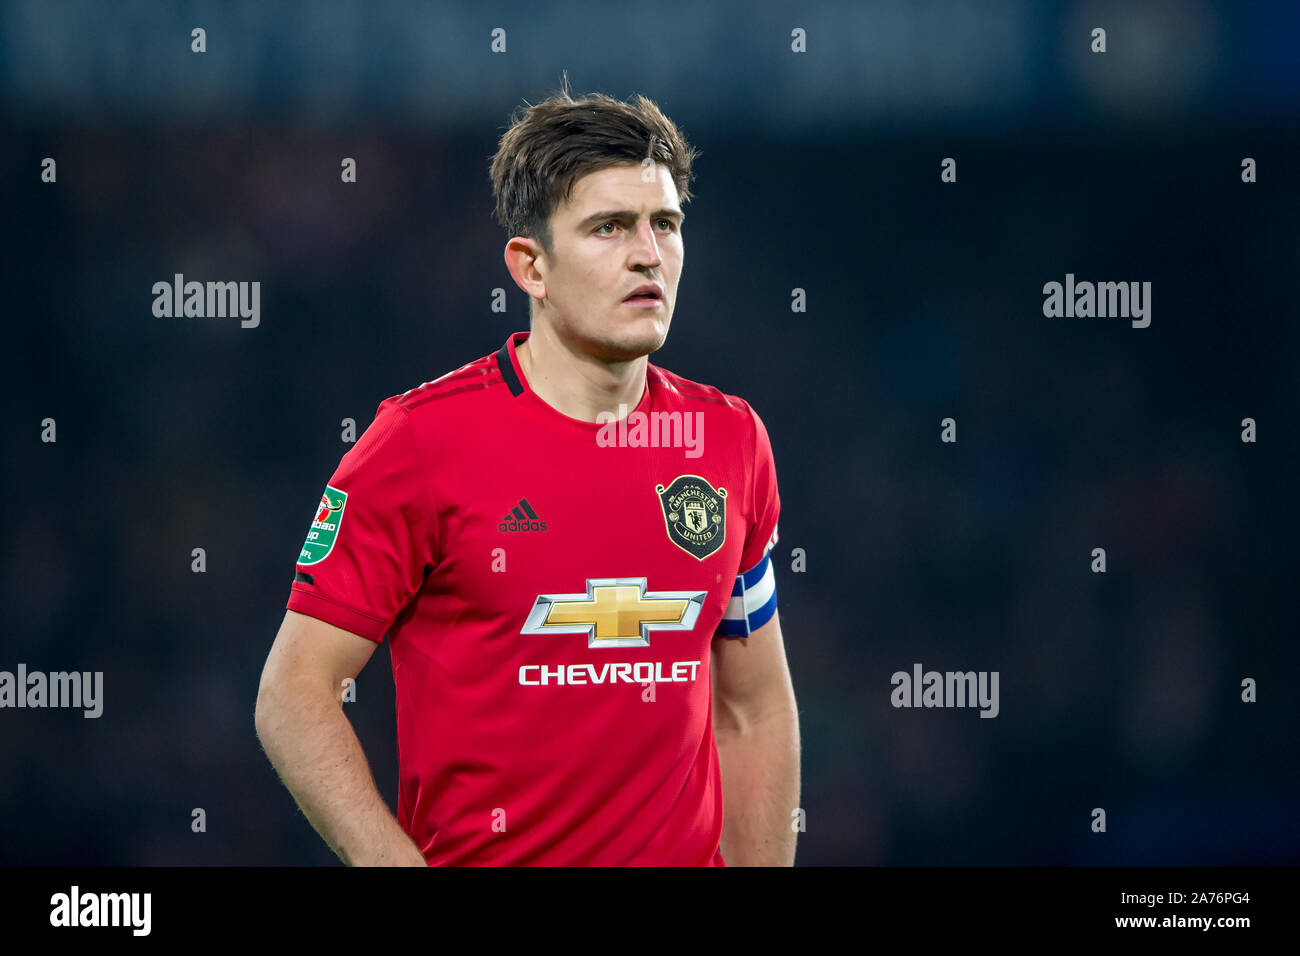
<point x="550" y="589"/>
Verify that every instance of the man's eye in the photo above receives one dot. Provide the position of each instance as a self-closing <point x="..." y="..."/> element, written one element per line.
<point x="610" y="223"/>
<point x="669" y="221"/>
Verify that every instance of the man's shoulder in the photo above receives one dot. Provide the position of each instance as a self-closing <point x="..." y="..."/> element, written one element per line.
<point x="679" y="390"/>
<point x="461" y="388"/>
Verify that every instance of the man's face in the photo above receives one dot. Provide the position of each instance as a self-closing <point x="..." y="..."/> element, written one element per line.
<point x="617" y="232"/>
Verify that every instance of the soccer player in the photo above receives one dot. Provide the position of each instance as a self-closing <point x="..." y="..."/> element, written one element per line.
<point x="568" y="549"/>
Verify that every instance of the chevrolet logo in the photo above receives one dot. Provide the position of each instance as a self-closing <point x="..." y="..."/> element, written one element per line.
<point x="615" y="612"/>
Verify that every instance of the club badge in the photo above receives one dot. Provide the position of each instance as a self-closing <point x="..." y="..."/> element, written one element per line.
<point x="695" y="514"/>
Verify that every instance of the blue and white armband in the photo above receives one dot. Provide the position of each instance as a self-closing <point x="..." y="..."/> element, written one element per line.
<point x="753" y="599"/>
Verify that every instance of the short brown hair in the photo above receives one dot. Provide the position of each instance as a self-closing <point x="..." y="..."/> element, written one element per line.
<point x="550" y="146"/>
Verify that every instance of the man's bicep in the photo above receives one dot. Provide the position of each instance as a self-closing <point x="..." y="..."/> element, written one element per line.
<point x="311" y="649"/>
<point x="750" y="676"/>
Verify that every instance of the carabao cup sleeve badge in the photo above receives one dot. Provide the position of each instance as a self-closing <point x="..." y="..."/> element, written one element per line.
<point x="695" y="514"/>
<point x="325" y="525"/>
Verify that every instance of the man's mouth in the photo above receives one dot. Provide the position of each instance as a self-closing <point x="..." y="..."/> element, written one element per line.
<point x="645" y="294"/>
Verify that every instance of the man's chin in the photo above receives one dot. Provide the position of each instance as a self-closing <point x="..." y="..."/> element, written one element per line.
<point x="632" y="344"/>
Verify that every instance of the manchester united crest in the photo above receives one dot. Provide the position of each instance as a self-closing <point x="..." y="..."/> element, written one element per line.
<point x="695" y="514"/>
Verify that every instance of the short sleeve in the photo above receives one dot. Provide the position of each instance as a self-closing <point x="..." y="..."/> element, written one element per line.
<point x="373" y="534"/>
<point x="753" y="595"/>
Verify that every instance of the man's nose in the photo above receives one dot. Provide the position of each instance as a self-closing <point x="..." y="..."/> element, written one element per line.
<point x="646" y="247"/>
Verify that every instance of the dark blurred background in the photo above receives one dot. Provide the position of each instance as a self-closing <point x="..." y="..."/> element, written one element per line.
<point x="819" y="171"/>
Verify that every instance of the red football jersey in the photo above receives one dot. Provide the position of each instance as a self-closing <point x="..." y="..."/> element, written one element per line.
<point x="550" y="588"/>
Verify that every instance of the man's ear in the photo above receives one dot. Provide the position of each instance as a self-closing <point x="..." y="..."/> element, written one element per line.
<point x="522" y="257"/>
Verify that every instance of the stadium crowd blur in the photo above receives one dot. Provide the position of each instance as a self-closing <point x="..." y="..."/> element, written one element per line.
<point x="1120" y="690"/>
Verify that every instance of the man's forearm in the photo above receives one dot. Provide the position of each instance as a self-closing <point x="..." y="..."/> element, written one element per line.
<point x="316" y="752"/>
<point x="760" y="789"/>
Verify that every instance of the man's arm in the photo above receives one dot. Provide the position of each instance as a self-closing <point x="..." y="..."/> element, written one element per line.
<point x="756" y="723"/>
<point x="312" y="745"/>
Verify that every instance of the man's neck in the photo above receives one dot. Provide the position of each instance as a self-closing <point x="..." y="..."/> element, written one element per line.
<point x="578" y="385"/>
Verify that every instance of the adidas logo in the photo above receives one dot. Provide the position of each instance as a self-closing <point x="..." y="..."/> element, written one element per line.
<point x="522" y="517"/>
